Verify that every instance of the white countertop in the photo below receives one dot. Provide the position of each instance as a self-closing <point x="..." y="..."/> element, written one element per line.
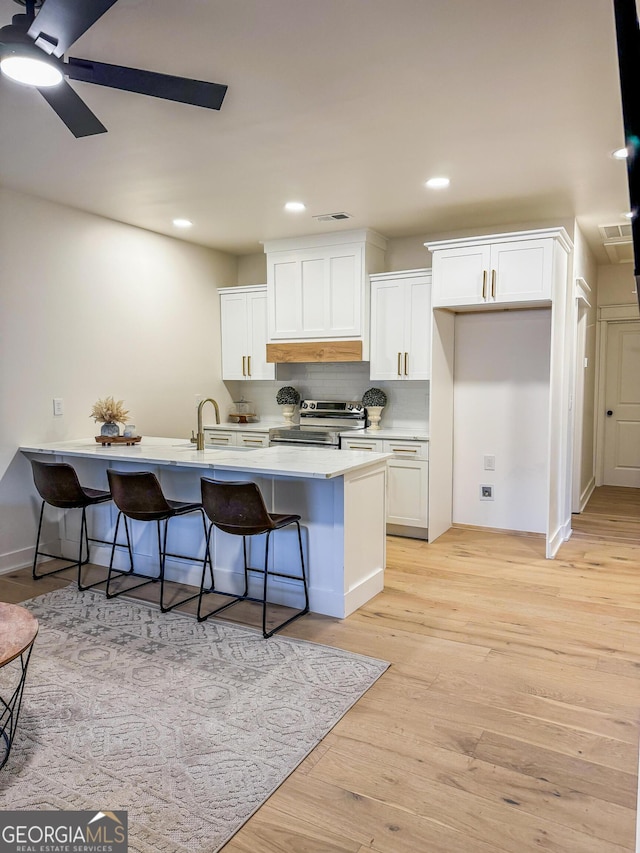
<point x="388" y="433"/>
<point x="279" y="461"/>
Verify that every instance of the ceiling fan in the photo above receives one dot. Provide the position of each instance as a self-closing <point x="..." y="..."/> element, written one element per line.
<point x="32" y="48"/>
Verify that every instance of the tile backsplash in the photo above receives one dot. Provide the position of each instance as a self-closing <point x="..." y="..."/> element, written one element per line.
<point x="407" y="402"/>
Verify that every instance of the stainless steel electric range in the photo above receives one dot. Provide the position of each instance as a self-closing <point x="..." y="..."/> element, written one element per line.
<point x="321" y="422"/>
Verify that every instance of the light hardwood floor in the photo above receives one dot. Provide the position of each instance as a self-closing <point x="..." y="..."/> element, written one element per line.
<point x="509" y="718"/>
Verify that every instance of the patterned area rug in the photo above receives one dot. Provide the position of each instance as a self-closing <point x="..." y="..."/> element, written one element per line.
<point x="189" y="727"/>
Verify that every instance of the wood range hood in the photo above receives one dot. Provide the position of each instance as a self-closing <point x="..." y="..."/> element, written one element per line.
<point x="314" y="351"/>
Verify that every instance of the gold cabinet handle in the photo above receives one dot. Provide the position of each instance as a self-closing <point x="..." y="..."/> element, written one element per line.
<point x="399" y="364"/>
<point x="484" y="284"/>
<point x="244" y="365"/>
<point x="406" y="364"/>
<point x="493" y="284"/>
<point x="404" y="450"/>
<point x="252" y="441"/>
<point x="248" y="365"/>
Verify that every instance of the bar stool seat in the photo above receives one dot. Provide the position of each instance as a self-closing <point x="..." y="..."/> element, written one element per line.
<point x="238" y="508"/>
<point x="139" y="497"/>
<point x="58" y="485"/>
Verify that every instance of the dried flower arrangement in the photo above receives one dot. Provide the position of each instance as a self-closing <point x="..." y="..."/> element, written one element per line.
<point x="287" y="395"/>
<point x="374" y="397"/>
<point x="109" y="411"/>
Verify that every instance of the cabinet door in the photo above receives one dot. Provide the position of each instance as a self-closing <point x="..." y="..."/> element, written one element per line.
<point x="233" y="333"/>
<point x="407" y="492"/>
<point x="387" y="329"/>
<point x="344" y="291"/>
<point x="460" y="276"/>
<point x="522" y="271"/>
<point x="256" y="313"/>
<point x="284" y="289"/>
<point x="316" y="293"/>
<point x="416" y="363"/>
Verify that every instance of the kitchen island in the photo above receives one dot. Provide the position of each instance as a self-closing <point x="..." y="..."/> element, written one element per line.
<point x="341" y="496"/>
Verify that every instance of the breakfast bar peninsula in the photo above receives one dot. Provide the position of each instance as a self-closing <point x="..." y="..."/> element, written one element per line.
<point x="340" y="494"/>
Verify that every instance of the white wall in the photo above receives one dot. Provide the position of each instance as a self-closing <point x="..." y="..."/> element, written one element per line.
<point x="91" y="308"/>
<point x="616" y="285"/>
<point x="584" y="457"/>
<point x="501" y="404"/>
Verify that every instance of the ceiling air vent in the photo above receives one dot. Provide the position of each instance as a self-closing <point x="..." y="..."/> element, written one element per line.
<point x="332" y="217"/>
<point x="615" y="232"/>
<point x="617" y="241"/>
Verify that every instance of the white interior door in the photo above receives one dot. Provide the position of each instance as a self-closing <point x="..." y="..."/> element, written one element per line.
<point x="622" y="421"/>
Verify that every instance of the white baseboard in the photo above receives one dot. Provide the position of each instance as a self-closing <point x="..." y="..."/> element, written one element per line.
<point x="586" y="493"/>
<point x="561" y="535"/>
<point x="13" y="560"/>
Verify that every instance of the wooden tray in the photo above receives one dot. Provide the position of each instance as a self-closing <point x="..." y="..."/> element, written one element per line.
<point x="118" y="439"/>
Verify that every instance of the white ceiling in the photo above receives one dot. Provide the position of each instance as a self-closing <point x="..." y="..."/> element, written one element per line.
<point x="347" y="105"/>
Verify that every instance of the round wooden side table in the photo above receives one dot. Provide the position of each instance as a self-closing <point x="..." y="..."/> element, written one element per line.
<point x="18" y="629"/>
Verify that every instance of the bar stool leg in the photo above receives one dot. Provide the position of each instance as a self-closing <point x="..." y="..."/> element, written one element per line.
<point x="264" y="595"/>
<point x="82" y="587"/>
<point x="266" y="634"/>
<point x="120" y="571"/>
<point x="35" y="556"/>
<point x="163" y="556"/>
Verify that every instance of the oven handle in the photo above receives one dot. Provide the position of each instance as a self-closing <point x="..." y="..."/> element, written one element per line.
<point x="295" y="441"/>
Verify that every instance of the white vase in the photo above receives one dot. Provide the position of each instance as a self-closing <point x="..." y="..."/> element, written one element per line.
<point x="288" y="410"/>
<point x="374" y="413"/>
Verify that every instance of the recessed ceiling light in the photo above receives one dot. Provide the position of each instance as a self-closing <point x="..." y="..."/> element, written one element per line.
<point x="620" y="154"/>
<point x="628" y="214"/>
<point x="182" y="223"/>
<point x="295" y="206"/>
<point x="437" y="183"/>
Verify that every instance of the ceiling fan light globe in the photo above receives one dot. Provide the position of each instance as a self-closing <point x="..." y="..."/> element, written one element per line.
<point x="30" y="71"/>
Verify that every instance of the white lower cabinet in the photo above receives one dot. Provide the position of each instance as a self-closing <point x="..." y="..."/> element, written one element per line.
<point x="408" y="482"/>
<point x="249" y="440"/>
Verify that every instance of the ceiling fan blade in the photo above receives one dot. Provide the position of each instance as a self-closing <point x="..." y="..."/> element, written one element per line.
<point x="72" y="110"/>
<point x="181" y="89"/>
<point x="60" y="23"/>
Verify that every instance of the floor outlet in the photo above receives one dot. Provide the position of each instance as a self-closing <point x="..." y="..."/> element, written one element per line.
<point x="486" y="493"/>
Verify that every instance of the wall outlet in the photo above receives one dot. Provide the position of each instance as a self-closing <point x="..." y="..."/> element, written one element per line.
<point x="486" y="493"/>
<point x="489" y="462"/>
<point x="58" y="407"/>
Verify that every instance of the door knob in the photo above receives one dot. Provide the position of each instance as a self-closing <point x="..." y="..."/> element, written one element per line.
<point x="609" y="412"/>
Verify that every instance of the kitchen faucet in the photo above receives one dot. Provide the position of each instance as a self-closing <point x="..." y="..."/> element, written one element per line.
<point x="200" y="435"/>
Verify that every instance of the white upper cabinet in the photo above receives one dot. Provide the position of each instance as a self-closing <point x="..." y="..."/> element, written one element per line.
<point x="502" y="269"/>
<point x="401" y="325"/>
<point x="317" y="285"/>
<point x="243" y="321"/>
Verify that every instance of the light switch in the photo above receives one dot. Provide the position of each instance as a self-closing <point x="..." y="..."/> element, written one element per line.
<point x="58" y="407"/>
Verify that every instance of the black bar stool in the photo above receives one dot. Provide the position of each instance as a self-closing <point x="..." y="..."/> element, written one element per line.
<point x="239" y="509"/>
<point x="138" y="496"/>
<point x="58" y="485"/>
